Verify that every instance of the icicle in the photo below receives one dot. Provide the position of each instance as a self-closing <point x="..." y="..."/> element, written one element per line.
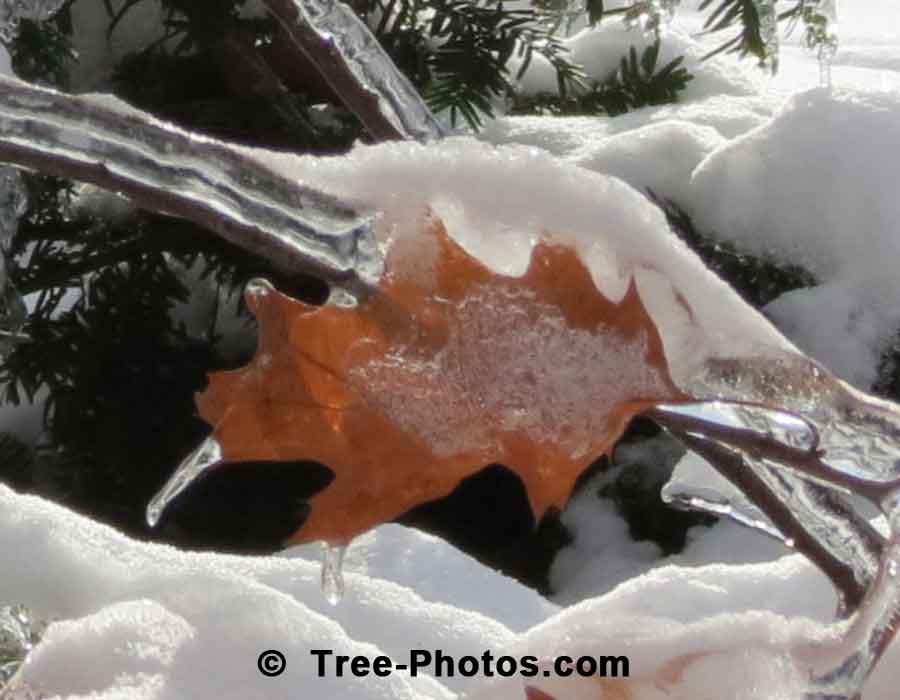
<point x="651" y="16"/>
<point x="667" y="9"/>
<point x="197" y="463"/>
<point x="820" y="18"/>
<point x="351" y="41"/>
<point x="689" y="497"/>
<point x="332" y="572"/>
<point x="768" y="33"/>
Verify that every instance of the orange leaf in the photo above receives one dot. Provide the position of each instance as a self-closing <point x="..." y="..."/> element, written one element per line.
<point x="437" y="375"/>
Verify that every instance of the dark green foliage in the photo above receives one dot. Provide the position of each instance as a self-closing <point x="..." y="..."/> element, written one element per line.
<point x="458" y="57"/>
<point x="757" y="280"/>
<point x="42" y="53"/>
<point x="743" y="16"/>
<point x="636" y="83"/>
<point x="595" y="11"/>
<point x="635" y="492"/>
<point x="19" y="460"/>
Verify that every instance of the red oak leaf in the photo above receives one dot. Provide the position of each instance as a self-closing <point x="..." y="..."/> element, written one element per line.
<point x="436" y="375"/>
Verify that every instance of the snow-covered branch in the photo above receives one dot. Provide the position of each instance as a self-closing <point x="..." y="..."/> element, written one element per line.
<point x="221" y="187"/>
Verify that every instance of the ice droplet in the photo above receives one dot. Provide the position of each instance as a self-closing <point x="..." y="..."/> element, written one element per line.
<point x="332" y="572"/>
<point x="207" y="455"/>
<point x="338" y="296"/>
<point x="257" y="288"/>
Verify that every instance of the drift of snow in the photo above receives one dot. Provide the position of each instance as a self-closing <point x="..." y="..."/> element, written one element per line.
<point x="170" y="625"/>
<point x="805" y="188"/>
<point x="599" y="50"/>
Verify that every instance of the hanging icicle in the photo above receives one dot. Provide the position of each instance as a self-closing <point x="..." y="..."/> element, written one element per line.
<point x="768" y="33"/>
<point x="820" y="18"/>
<point x="332" y="572"/>
<point x="651" y="16"/>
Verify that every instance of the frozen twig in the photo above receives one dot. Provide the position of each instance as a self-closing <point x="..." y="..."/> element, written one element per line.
<point x="220" y="187"/>
<point x="850" y="578"/>
<point x="350" y="59"/>
<point x="807" y="463"/>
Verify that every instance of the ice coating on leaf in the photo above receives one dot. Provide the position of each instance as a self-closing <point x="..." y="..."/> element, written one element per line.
<point x="503" y="352"/>
<point x="435" y="375"/>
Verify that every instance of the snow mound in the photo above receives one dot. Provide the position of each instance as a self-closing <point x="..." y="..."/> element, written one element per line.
<point x="805" y="188"/>
<point x="160" y="610"/>
<point x="143" y="621"/>
<point x="599" y="50"/>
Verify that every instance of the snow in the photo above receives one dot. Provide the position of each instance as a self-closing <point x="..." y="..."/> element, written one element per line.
<point x="600" y="49"/>
<point x="602" y="554"/>
<point x="461" y="180"/>
<point x="806" y="189"/>
<point x="147" y="621"/>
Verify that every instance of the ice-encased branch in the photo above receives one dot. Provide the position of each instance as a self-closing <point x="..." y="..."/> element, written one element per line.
<point x="793" y="504"/>
<point x="350" y="59"/>
<point x="100" y="140"/>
